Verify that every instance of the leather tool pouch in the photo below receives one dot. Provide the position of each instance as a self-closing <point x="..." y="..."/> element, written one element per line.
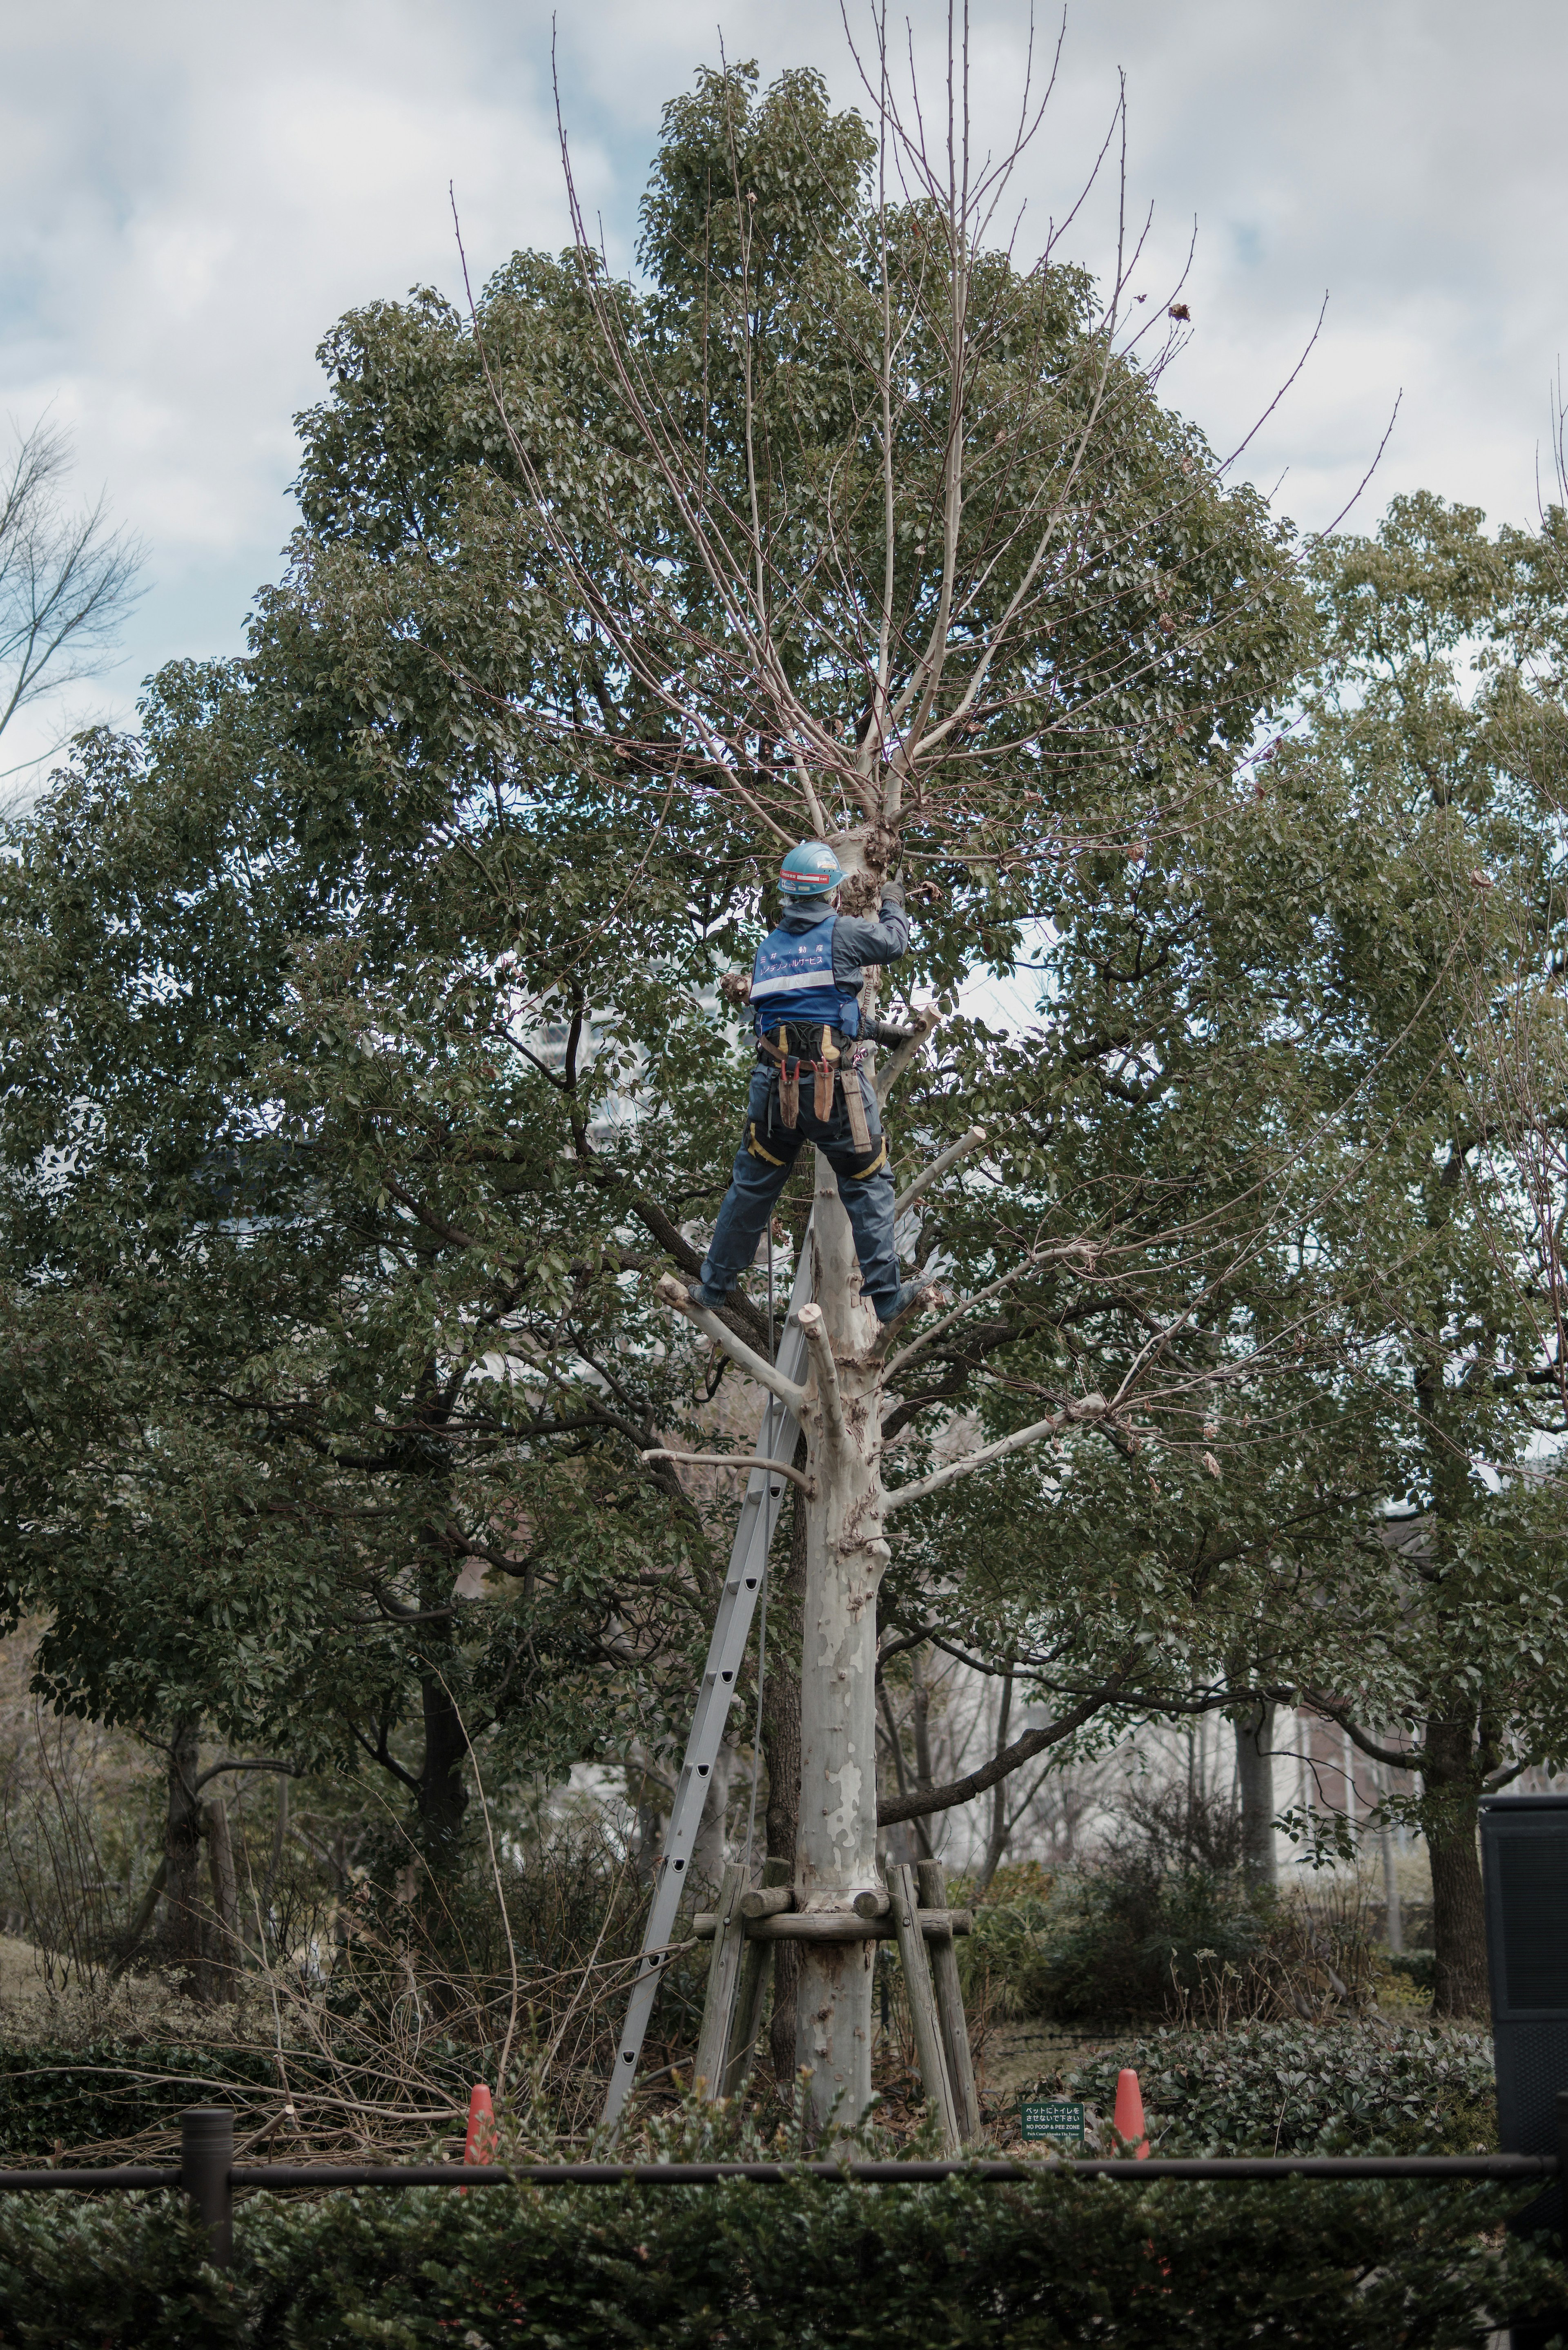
<point x="855" y="1102"/>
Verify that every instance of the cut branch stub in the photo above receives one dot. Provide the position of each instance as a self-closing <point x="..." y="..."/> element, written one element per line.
<point x="670" y="1293"/>
<point x="832" y="1402"/>
<point x="926" y="1024"/>
<point x="939" y="1167"/>
<point x="1089" y="1407"/>
<point x="737" y="1461"/>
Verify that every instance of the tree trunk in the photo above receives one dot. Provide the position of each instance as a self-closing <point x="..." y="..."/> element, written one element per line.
<point x="443" y="1796"/>
<point x="920" y="1714"/>
<point x="707" y="1848"/>
<point x="644" y="1788"/>
<point x="1393" y="1915"/>
<point x="1255" y="1779"/>
<point x="443" y="1791"/>
<point x="1451" y="1789"/>
<point x="846" y="1553"/>
<point x="781" y="1745"/>
<point x="183" y="1908"/>
<point x="226" y="1964"/>
<point x="999" y="1833"/>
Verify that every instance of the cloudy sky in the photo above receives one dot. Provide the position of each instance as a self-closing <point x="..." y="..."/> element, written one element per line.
<point x="193" y="190"/>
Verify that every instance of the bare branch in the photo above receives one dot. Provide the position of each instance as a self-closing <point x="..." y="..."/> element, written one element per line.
<point x="939" y="1167"/>
<point x="1091" y="1407"/>
<point x="670" y="1292"/>
<point x="737" y="1461"/>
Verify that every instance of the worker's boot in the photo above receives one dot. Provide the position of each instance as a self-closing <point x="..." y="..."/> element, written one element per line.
<point x="891" y="1309"/>
<point x="701" y="1293"/>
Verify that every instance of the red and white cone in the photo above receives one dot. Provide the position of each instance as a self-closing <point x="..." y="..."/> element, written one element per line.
<point x="479" y="2146"/>
<point x="1128" y="2120"/>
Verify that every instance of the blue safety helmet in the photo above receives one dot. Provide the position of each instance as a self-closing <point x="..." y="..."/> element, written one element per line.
<point x="812" y="870"/>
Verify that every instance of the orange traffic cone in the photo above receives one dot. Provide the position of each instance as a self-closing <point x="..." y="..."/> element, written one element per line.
<point x="1128" y="2120"/>
<point x="479" y="2146"/>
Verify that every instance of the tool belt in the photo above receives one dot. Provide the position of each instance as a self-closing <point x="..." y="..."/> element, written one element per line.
<point x="829" y="1054"/>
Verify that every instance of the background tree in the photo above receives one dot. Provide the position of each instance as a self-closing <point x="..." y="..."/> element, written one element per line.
<point x="67" y="581"/>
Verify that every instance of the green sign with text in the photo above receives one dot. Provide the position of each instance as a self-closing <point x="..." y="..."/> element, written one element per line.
<point x="1051" y="2117"/>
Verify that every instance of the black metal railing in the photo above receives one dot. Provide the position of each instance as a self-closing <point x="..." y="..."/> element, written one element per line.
<point x="208" y="2176"/>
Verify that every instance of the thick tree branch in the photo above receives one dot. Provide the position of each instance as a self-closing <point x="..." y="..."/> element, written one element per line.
<point x="255" y="1763"/>
<point x="671" y="1294"/>
<point x="1410" y="1758"/>
<point x="1022" y="1750"/>
<point x="738" y="1461"/>
<point x="1089" y="1407"/>
<point x="927" y="1024"/>
<point x="939" y="1167"/>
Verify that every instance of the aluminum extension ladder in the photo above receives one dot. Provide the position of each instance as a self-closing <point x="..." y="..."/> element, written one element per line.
<point x="731" y="1629"/>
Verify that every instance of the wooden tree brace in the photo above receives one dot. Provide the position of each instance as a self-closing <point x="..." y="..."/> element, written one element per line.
<point x="932" y="1879"/>
<point x="756" y="1967"/>
<point x="922" y="2002"/>
<point x="768" y="1900"/>
<point x="835" y="1925"/>
<point x="712" y="2062"/>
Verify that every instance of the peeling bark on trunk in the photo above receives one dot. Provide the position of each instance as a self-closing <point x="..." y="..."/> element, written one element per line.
<point x="184" y="1907"/>
<point x="837" y="1847"/>
<point x="708" y="1850"/>
<point x="1255" y="1781"/>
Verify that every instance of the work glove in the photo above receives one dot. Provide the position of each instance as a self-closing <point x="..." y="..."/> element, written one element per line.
<point x="882" y="1032"/>
<point x="893" y="894"/>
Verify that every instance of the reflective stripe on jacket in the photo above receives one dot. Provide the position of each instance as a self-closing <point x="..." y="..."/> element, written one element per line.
<point x="793" y="982"/>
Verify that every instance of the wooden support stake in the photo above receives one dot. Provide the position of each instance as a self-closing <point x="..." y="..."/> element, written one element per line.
<point x="724" y="1979"/>
<point x="770" y="1900"/>
<point x="833" y="1926"/>
<point x="932" y="1877"/>
<point x="756" y="1972"/>
<point x="922" y="2002"/>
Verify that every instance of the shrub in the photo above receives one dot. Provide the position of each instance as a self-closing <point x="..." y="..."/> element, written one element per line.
<point x="811" y="2265"/>
<point x="110" y="2090"/>
<point x="1127" y="1940"/>
<point x="1112" y="1944"/>
<point x="1297" y="2089"/>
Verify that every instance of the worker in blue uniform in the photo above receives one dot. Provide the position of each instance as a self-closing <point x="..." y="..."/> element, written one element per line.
<point x="807" y="1086"/>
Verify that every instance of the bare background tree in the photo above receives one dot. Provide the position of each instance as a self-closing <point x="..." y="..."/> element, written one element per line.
<point x="69" y="577"/>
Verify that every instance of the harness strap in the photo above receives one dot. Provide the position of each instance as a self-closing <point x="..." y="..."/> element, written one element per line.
<point x="755" y="1148"/>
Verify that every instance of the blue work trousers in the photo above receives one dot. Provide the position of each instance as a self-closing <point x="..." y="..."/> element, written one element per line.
<point x="769" y="1149"/>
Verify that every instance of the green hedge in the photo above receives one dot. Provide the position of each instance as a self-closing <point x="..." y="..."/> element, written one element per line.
<point x="811" y="2266"/>
<point x="1287" y="2088"/>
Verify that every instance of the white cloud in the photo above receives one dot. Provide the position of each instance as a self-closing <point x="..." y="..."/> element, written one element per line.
<point x="194" y="193"/>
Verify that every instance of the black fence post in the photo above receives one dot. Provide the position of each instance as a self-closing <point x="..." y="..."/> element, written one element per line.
<point x="206" y="2159"/>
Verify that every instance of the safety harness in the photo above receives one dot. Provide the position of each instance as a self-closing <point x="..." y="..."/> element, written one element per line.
<point x="827" y="1066"/>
